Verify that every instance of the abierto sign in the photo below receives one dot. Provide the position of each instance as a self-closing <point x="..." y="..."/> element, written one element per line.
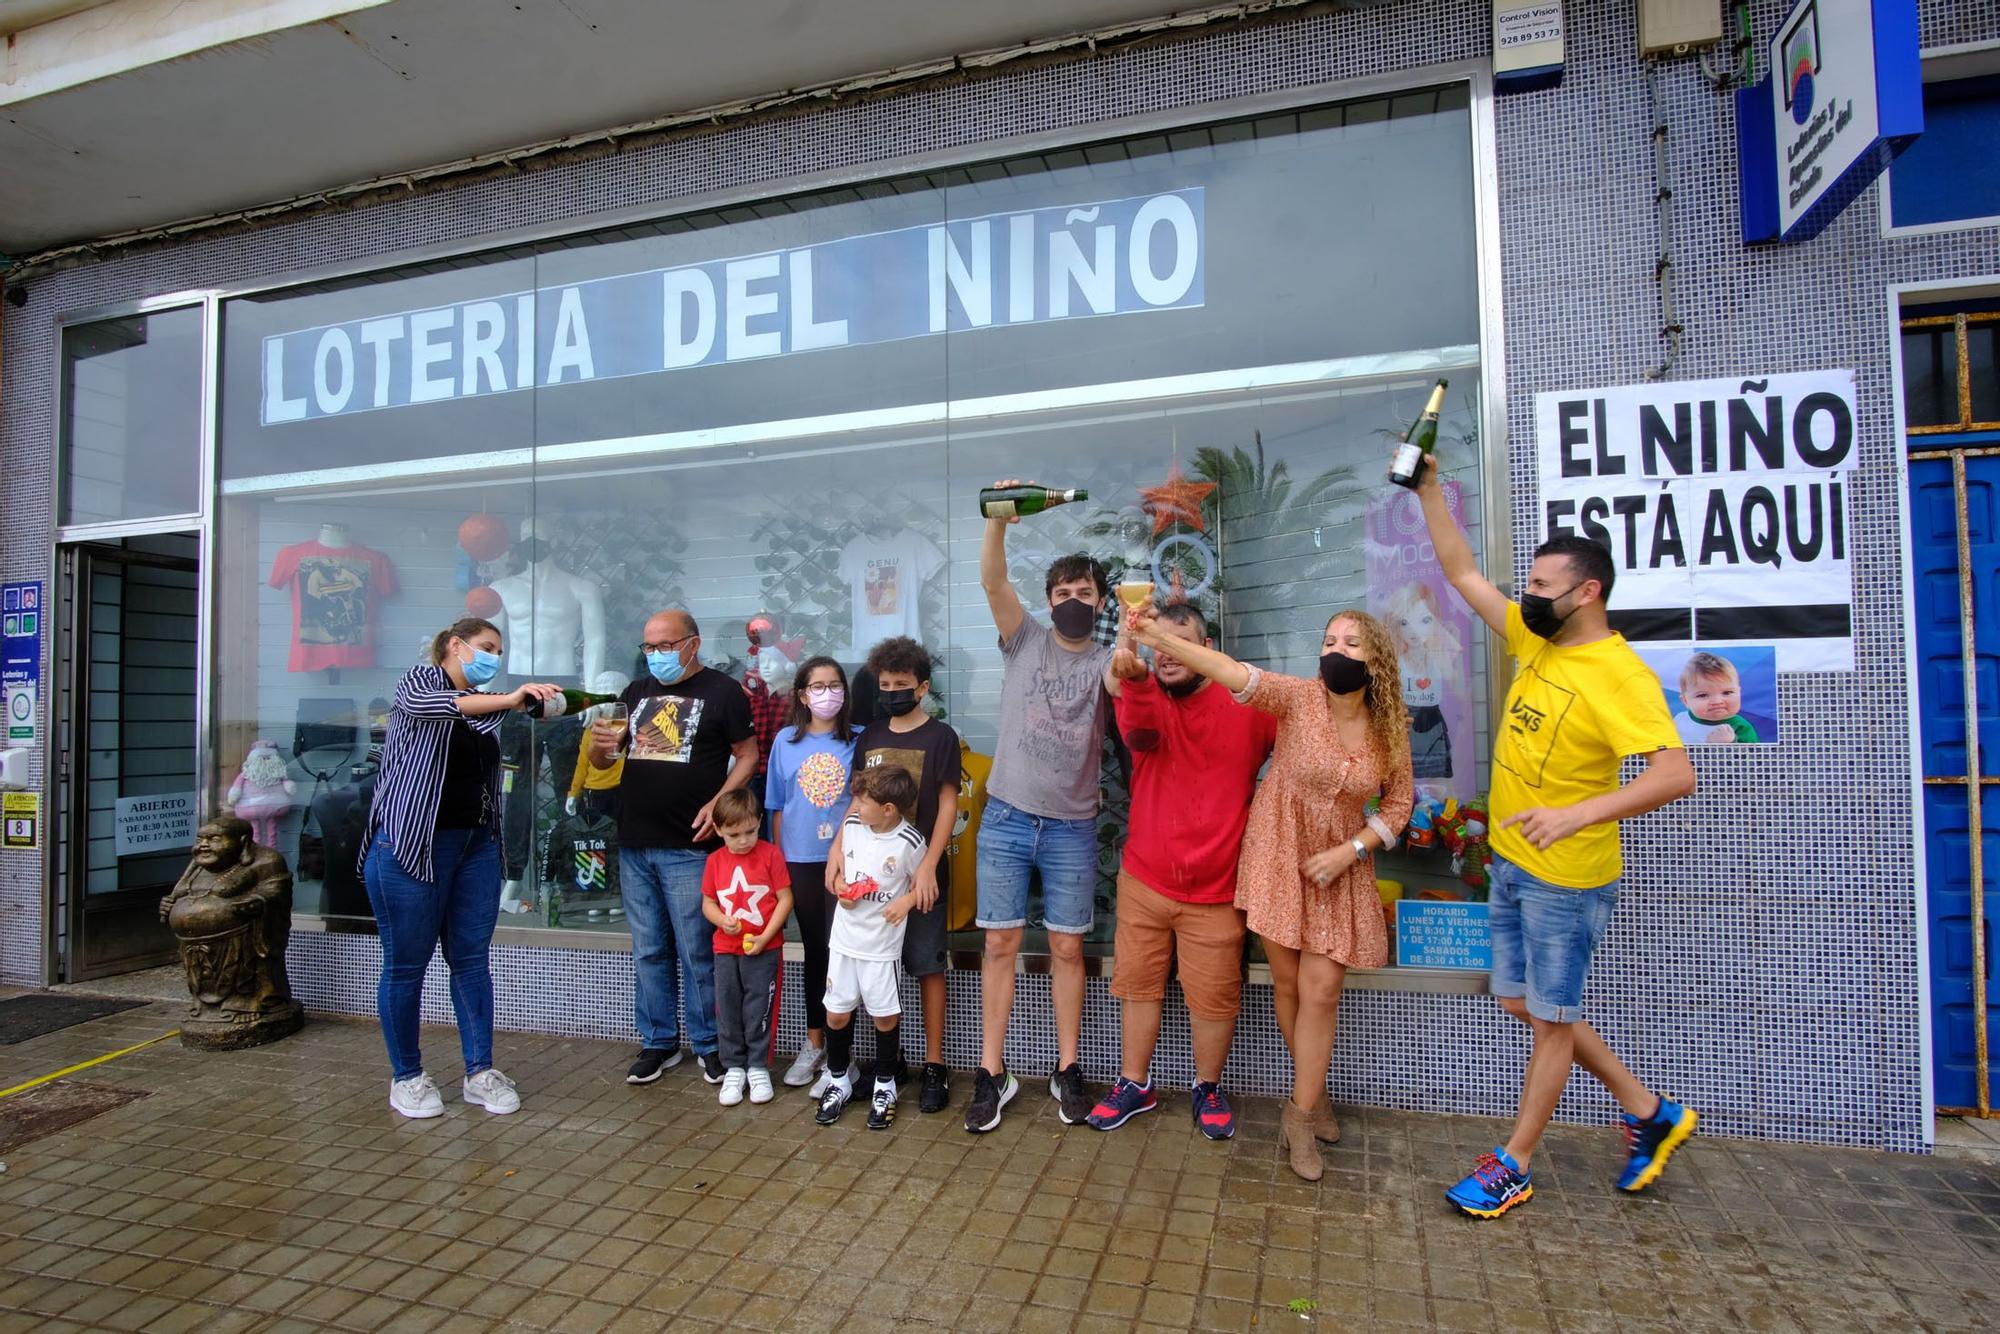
<point x="1723" y="502"/>
<point x="163" y="822"/>
<point x="1844" y="95"/>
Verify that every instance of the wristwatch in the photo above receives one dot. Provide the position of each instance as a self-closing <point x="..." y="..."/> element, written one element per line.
<point x="1362" y="852"/>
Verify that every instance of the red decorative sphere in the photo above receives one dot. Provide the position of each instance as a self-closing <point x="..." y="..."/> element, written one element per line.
<point x="482" y="602"/>
<point x="484" y="537"/>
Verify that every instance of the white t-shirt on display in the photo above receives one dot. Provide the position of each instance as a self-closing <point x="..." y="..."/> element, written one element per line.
<point x="885" y="580"/>
<point x="881" y="864"/>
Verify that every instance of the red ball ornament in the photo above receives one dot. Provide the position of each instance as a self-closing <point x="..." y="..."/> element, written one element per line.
<point x="482" y="602"/>
<point x="484" y="537"/>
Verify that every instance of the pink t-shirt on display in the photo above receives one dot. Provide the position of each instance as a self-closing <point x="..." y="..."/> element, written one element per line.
<point x="335" y="594"/>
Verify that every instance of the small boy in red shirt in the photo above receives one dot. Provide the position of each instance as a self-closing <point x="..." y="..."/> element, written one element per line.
<point x="746" y="894"/>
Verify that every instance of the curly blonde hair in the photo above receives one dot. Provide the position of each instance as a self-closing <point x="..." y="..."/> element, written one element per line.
<point x="1388" y="719"/>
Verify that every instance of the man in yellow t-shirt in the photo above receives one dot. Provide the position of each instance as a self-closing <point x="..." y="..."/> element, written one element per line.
<point x="1581" y="701"/>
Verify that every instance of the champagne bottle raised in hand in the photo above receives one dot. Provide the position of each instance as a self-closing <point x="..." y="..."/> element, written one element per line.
<point x="1011" y="502"/>
<point x="1418" y="442"/>
<point x="570" y="701"/>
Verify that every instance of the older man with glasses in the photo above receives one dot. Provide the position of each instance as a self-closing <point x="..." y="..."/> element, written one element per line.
<point x="687" y="739"/>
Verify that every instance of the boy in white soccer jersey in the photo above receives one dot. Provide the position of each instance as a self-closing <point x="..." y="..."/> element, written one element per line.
<point x="880" y="852"/>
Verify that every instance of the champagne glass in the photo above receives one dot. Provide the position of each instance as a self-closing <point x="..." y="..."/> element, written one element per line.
<point x="614" y="715"/>
<point x="1135" y="593"/>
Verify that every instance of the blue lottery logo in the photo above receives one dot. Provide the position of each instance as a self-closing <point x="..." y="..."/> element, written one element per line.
<point x="1802" y="92"/>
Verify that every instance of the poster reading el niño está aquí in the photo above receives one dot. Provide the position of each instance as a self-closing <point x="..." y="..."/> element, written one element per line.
<point x="1724" y="504"/>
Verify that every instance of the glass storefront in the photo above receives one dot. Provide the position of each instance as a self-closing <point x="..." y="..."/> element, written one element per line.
<point x="788" y="407"/>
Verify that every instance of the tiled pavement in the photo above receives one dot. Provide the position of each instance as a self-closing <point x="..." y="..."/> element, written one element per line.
<point x="274" y="1190"/>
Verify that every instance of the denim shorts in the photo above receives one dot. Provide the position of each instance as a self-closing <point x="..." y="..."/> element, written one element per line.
<point x="1543" y="937"/>
<point x="1012" y="845"/>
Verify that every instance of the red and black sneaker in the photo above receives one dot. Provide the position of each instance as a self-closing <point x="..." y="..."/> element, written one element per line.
<point x="1213" y="1116"/>
<point x="1125" y="1101"/>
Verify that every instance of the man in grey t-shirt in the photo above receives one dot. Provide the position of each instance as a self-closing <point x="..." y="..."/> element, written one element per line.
<point x="1041" y="811"/>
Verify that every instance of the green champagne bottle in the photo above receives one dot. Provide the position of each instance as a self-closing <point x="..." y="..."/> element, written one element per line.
<point x="1418" y="442"/>
<point x="570" y="701"/>
<point x="1011" y="502"/>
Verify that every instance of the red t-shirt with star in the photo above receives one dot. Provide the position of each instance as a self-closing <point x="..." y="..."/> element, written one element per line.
<point x="747" y="889"/>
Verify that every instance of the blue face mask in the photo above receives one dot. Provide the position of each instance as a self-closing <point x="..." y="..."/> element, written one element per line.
<point x="666" y="668"/>
<point x="483" y="667"/>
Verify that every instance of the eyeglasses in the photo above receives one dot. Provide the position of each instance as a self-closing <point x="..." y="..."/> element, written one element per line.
<point x="821" y="688"/>
<point x="669" y="645"/>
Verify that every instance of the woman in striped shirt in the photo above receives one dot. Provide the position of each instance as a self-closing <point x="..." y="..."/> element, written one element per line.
<point x="431" y="858"/>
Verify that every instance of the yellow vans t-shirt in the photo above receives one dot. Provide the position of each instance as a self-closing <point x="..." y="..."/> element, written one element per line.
<point x="1572" y="714"/>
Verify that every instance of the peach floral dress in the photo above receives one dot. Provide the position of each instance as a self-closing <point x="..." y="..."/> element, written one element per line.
<point x="1312" y="799"/>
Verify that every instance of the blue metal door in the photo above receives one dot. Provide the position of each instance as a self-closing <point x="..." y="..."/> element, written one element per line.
<point x="1960" y="849"/>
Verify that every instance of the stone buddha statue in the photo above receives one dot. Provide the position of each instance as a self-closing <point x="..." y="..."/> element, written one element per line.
<point x="232" y="911"/>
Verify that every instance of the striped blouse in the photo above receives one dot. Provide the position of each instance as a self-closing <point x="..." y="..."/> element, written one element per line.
<point x="411" y="781"/>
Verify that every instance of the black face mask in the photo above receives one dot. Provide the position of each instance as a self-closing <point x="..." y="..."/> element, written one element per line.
<point x="1073" y="619"/>
<point x="1182" y="689"/>
<point x="1343" y="675"/>
<point x="1539" y="613"/>
<point x="532" y="549"/>
<point x="894" y="703"/>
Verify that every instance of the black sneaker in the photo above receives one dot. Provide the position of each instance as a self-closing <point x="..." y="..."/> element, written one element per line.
<point x="989" y="1095"/>
<point x="652" y="1063"/>
<point x="936" y="1094"/>
<point x="834" y="1101"/>
<point x="711" y="1068"/>
<point x="882" y="1105"/>
<point x="1073" y="1100"/>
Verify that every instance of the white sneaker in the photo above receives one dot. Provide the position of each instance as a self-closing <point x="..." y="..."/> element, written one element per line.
<point x="818" y="1089"/>
<point x="760" y="1085"/>
<point x="732" y="1087"/>
<point x="493" y="1091"/>
<point x="416" y="1098"/>
<point x="809" y="1062"/>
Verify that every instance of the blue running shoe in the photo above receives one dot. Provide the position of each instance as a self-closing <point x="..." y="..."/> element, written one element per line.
<point x="1213" y="1115"/>
<point x="1497" y="1184"/>
<point x="1125" y="1101"/>
<point x="1649" y="1143"/>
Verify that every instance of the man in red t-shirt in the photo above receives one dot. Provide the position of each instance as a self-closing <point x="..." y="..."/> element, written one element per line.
<point x="1196" y="754"/>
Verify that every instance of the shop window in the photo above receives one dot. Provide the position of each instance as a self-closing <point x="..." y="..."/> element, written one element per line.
<point x="1951" y="172"/>
<point x="131" y="417"/>
<point x="789" y="408"/>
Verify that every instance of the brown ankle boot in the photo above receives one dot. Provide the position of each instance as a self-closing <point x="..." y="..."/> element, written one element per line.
<point x="1295" y="1132"/>
<point x="1325" y="1126"/>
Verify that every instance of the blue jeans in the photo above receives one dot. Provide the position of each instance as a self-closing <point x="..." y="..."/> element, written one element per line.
<point x="1543" y="937"/>
<point x="1012" y="844"/>
<point x="456" y="909"/>
<point x="662" y="892"/>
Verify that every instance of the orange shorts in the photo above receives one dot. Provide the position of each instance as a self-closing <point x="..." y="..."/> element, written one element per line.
<point x="1153" y="929"/>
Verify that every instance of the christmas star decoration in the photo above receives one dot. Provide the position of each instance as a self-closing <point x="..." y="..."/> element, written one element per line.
<point x="1176" y="500"/>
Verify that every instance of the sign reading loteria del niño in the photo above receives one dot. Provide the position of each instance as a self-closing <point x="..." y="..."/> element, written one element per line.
<point x="1844" y="95"/>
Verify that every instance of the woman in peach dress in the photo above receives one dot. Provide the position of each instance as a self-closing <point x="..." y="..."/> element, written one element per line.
<point x="1306" y="878"/>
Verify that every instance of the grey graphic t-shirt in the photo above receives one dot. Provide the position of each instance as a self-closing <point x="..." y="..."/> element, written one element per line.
<point x="1052" y="712"/>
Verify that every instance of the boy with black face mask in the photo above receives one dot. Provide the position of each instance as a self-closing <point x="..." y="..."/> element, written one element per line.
<point x="905" y="736"/>
<point x="1580" y="702"/>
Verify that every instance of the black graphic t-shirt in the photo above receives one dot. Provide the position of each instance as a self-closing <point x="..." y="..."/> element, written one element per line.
<point x="677" y="756"/>
<point x="928" y="754"/>
<point x="582" y="857"/>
